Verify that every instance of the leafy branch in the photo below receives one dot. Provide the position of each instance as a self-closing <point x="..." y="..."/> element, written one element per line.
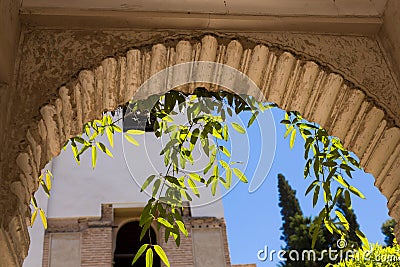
<point x="330" y="166"/>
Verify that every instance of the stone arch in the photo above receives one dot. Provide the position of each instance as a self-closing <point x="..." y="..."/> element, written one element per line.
<point x="319" y="93"/>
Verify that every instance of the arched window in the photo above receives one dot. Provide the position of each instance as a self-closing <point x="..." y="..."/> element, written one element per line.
<point x="128" y="243"/>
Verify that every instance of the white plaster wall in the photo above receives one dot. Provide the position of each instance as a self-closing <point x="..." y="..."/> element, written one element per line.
<point x="79" y="191"/>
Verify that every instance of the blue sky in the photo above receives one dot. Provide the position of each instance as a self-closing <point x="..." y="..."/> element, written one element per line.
<point x="253" y="219"/>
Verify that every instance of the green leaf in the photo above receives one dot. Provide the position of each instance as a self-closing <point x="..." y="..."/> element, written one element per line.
<point x="156" y="186"/>
<point x="285" y="122"/>
<point x="363" y="239"/>
<point x="164" y="222"/>
<point x="252" y="119"/>
<point x="117" y="128"/>
<point x="193" y="186"/>
<point x="139" y="253"/>
<point x="43" y="217"/>
<point x="316" y="194"/>
<point x="225" y="151"/>
<point x="228" y="178"/>
<point x="288" y="131"/>
<point x="182" y="227"/>
<point x="147" y="182"/>
<point x="217" y="134"/>
<point x="356" y="192"/>
<point x="94" y="156"/>
<point x="225" y="132"/>
<point x="110" y="136"/>
<point x="214" y="187"/>
<point x="211" y="162"/>
<point x="194" y="137"/>
<point x="196" y="177"/>
<point x="340" y="180"/>
<point x="347" y="199"/>
<point x="135" y="132"/>
<point x="292" y="138"/>
<point x="240" y="175"/>
<point x="131" y="139"/>
<point x="44" y="186"/>
<point x="342" y="219"/>
<point x="34" y="215"/>
<point x="161" y="254"/>
<point x="103" y="148"/>
<point x="48" y="180"/>
<point x="311" y="186"/>
<point x="34" y="203"/>
<point x="149" y="258"/>
<point x="238" y="128"/>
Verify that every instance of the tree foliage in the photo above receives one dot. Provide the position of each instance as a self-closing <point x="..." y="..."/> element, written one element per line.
<point x="290" y="207"/>
<point x="388" y="230"/>
<point x="296" y="230"/>
<point x="374" y="256"/>
<point x="329" y="164"/>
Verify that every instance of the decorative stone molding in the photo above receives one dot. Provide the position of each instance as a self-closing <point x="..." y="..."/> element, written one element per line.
<point x="289" y="80"/>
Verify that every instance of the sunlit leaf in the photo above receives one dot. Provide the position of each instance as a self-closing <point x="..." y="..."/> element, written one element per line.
<point x="160" y="252"/>
<point x="238" y="128"/>
<point x="149" y="258"/>
<point x="156" y="186"/>
<point x="214" y="187"/>
<point x="147" y="182"/>
<point x="43" y="217"/>
<point x="110" y="136"/>
<point x="342" y="219"/>
<point x="196" y="177"/>
<point x="292" y="138"/>
<point x="131" y="140"/>
<point x="139" y="253"/>
<point x="33" y="217"/>
<point x="164" y="222"/>
<point x="240" y="175"/>
<point x="193" y="186"/>
<point x="94" y="156"/>
<point x="225" y="151"/>
<point x="135" y="132"/>
<point x="182" y="227"/>
<point x="356" y="192"/>
<point x="103" y="148"/>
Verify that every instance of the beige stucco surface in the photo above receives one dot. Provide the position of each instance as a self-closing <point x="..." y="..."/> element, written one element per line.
<point x="208" y="247"/>
<point x="65" y="250"/>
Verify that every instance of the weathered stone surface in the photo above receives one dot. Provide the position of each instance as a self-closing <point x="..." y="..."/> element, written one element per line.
<point x="66" y="111"/>
<point x="53" y="140"/>
<point x="315" y="74"/>
<point x="110" y="92"/>
<point x="86" y="79"/>
<point x="282" y="72"/>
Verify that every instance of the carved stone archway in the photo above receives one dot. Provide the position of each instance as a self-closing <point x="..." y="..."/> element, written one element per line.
<point x="293" y="82"/>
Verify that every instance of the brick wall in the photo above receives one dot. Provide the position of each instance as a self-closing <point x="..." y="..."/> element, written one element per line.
<point x="183" y="256"/>
<point x="95" y="238"/>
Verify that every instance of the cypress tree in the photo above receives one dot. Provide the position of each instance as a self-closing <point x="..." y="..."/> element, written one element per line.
<point x="290" y="207"/>
<point x="388" y="229"/>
